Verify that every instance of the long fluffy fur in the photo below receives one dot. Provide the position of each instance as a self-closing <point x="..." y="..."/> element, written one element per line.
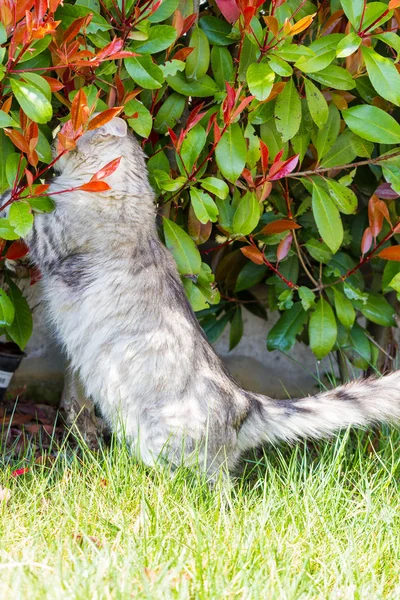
<point x="116" y="300"/>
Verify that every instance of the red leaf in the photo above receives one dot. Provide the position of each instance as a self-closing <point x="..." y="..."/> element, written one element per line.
<point x="115" y="46"/>
<point x="104" y="117"/>
<point x="183" y="53"/>
<point x="278" y="156"/>
<point x="229" y="9"/>
<point x="366" y="241"/>
<point x="281" y="169"/>
<point x="18" y="249"/>
<point x="279" y="226"/>
<point x="217" y="132"/>
<point x="230" y="95"/>
<point x="284" y="247"/>
<point x="242" y="106"/>
<point x="194" y="117"/>
<point x="17" y="139"/>
<point x="394" y="4"/>
<point x="386" y="192"/>
<point x="264" y="156"/>
<point x="188" y="23"/>
<point x="253" y="254"/>
<point x="107" y="170"/>
<point x="79" y="110"/>
<point x="75" y="27"/>
<point x="246" y="174"/>
<point x="54" y="84"/>
<point x="41" y="188"/>
<point x="19" y="472"/>
<point x="391" y="253"/>
<point x="375" y="216"/>
<point x="94" y="186"/>
<point x="173" y="137"/>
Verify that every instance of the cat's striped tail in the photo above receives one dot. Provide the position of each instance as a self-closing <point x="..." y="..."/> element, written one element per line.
<point x="359" y="403"/>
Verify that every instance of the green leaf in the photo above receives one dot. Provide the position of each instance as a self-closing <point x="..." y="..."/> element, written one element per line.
<point x="348" y="45"/>
<point x="231" y="152"/>
<point x="164" y="181"/>
<point x="323" y="49"/>
<point x="222" y="65"/>
<point x="281" y="67"/>
<point x="395" y="282"/>
<point x="282" y="336"/>
<point x="376" y="13"/>
<point x="160" y="38"/>
<point x="344" y="198"/>
<point x="3" y="34"/>
<point x="14" y="163"/>
<point x="215" y="186"/>
<point x="32" y="101"/>
<point x="170" y="112"/>
<point x="344" y="309"/>
<point x="7" y="311"/>
<point x="20" y="217"/>
<point x="391" y="39"/>
<point x="183" y="248"/>
<point x="6" y="148"/>
<point x="68" y="14"/>
<point x="247" y="214"/>
<point x="21" y="328"/>
<point x="6" y="120"/>
<point x="171" y="67"/>
<point x="307" y="297"/>
<point x="192" y="146"/>
<point x="342" y="151"/>
<point x="236" y="332"/>
<point x="327" y="135"/>
<point x="288" y="111"/>
<point x="319" y="251"/>
<point x="204" y="206"/>
<point x="353" y="10"/>
<point x="358" y="348"/>
<point x="142" y="70"/>
<point x="215" y="328"/>
<point x="392" y="268"/>
<point x="39" y="82"/>
<point x="317" y="104"/>
<point x="165" y="10"/>
<point x="42" y="204"/>
<point x="327" y="218"/>
<point x="198" y="61"/>
<point x="377" y="309"/>
<point x="250" y="275"/>
<point x="334" y="77"/>
<point x="200" y="88"/>
<point x="196" y="298"/>
<point x="322" y="329"/>
<point x="383" y="75"/>
<point x="260" y="79"/>
<point x="142" y="124"/>
<point x="271" y="136"/>
<point x="7" y="232"/>
<point x="373" y="124"/>
<point x="216" y="30"/>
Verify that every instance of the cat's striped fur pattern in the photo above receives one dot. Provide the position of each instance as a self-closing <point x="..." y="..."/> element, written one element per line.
<point x="116" y="301"/>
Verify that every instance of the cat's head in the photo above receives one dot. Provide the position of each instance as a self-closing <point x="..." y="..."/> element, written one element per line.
<point x="96" y="148"/>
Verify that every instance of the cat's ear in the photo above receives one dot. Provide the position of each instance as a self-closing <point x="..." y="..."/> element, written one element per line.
<point x="116" y="127"/>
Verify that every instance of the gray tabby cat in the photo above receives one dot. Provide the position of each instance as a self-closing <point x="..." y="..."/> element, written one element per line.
<point x="117" y="304"/>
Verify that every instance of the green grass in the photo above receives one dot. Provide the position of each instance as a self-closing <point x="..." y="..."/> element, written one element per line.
<point x="312" y="521"/>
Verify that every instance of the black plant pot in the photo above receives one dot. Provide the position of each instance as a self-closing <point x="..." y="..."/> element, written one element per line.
<point x="10" y="358"/>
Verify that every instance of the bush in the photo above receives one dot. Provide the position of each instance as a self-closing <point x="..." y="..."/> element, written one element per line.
<point x="273" y="142"/>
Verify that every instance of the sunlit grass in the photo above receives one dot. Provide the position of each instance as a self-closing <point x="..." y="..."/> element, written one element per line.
<point x="313" y="521"/>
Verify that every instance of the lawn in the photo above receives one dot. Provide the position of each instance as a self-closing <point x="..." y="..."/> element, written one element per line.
<point x="312" y="521"/>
